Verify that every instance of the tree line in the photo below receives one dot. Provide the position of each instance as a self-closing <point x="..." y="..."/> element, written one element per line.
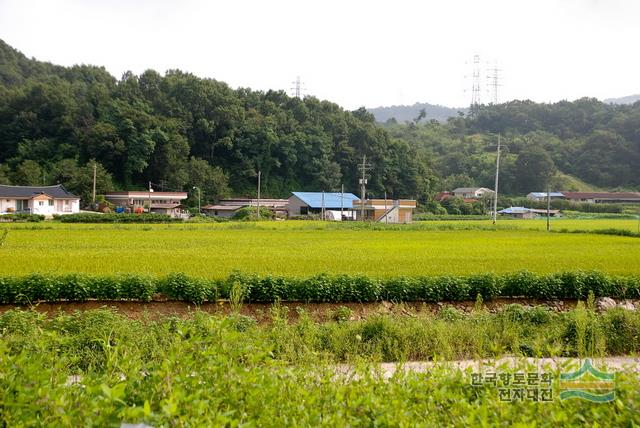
<point x="597" y="143"/>
<point x="180" y="131"/>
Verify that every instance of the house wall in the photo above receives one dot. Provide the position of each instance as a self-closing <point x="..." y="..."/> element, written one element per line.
<point x="294" y="206"/>
<point x="44" y="205"/>
<point x="5" y="204"/>
<point x="219" y="213"/>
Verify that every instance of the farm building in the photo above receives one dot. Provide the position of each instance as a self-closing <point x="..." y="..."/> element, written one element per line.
<point x="472" y="192"/>
<point x="168" y="203"/>
<point x="526" y="213"/>
<point x="337" y="206"/>
<point x="44" y="200"/>
<point x="228" y="207"/>
<point x="542" y="196"/>
<point x="385" y="211"/>
<point x="603" y="197"/>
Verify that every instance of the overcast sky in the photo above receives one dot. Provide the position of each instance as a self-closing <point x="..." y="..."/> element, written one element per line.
<point x="355" y="53"/>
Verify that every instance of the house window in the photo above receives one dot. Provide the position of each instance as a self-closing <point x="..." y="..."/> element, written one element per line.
<point x="50" y="202"/>
<point x="41" y="203"/>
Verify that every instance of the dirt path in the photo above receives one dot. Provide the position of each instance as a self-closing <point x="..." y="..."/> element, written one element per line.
<point x="611" y="364"/>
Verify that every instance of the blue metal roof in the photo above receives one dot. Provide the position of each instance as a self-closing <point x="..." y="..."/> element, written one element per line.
<point x="514" y="210"/>
<point x="331" y="200"/>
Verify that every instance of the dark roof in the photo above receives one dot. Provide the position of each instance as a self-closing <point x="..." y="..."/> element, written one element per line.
<point x="27" y="192"/>
<point x="602" y="195"/>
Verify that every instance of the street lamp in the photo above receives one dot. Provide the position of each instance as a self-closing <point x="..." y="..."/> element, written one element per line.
<point x="196" y="187"/>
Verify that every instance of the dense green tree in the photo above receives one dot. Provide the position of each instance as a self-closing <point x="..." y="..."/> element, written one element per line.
<point x="81" y="181"/>
<point x="29" y="173"/>
<point x="5" y="171"/>
<point x="211" y="180"/>
<point x="534" y="169"/>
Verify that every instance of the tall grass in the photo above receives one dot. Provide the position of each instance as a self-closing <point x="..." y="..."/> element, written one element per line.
<point x="102" y="369"/>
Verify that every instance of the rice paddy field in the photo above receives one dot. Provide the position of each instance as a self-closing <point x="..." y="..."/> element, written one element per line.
<point x="301" y="248"/>
<point x="98" y="367"/>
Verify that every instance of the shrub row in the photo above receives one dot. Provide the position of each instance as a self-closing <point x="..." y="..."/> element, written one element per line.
<point x="31" y="218"/>
<point x="320" y="288"/>
<point x="115" y="218"/>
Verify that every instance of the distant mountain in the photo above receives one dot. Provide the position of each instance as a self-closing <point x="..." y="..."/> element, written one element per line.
<point x="630" y="99"/>
<point x="409" y="113"/>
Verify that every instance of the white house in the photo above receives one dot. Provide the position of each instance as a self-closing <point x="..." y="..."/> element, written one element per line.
<point x="472" y="192"/>
<point x="44" y="200"/>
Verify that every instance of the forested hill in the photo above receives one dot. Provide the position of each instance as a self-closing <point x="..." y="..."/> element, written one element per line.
<point x="594" y="142"/>
<point x="406" y="113"/>
<point x="183" y="131"/>
<point x="180" y="131"/>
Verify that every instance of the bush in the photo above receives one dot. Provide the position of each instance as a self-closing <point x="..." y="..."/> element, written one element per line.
<point x="318" y="289"/>
<point x="29" y="218"/>
<point x="250" y="214"/>
<point x="115" y="218"/>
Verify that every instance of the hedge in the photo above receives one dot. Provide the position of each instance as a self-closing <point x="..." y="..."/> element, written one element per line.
<point x="316" y="289"/>
<point x="115" y="218"/>
<point x="30" y="218"/>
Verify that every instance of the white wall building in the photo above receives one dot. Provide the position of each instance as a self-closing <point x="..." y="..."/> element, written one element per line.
<point x="44" y="200"/>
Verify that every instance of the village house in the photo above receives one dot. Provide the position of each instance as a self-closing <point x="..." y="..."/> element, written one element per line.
<point x="385" y="210"/>
<point x="542" y="196"/>
<point x="603" y="197"/>
<point x="336" y="206"/>
<point x="168" y="203"/>
<point x="527" y="213"/>
<point x="44" y="200"/>
<point x="472" y="192"/>
<point x="228" y="207"/>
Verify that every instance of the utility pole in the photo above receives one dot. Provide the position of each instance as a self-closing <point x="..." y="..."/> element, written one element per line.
<point x="258" y="201"/>
<point x="495" y="195"/>
<point x="95" y="167"/>
<point x="548" y="208"/>
<point x="196" y="187"/>
<point x="150" y="190"/>
<point x="341" y="202"/>
<point x="386" y="217"/>
<point x="363" y="183"/>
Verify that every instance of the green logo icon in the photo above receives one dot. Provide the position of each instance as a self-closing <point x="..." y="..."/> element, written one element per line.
<point x="589" y="384"/>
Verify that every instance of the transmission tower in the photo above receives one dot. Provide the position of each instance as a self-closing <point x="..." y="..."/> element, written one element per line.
<point x="493" y="81"/>
<point x="475" y="85"/>
<point x="296" y="90"/>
